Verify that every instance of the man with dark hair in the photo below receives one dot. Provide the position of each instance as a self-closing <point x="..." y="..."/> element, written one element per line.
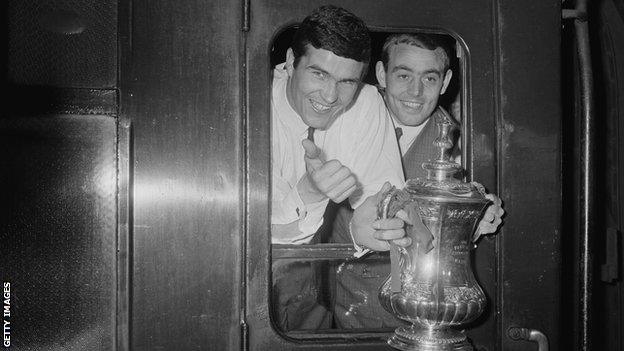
<point x="413" y="73"/>
<point x="331" y="140"/>
<point x="334" y="29"/>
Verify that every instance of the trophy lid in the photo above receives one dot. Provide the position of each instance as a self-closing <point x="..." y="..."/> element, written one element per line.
<point x="442" y="173"/>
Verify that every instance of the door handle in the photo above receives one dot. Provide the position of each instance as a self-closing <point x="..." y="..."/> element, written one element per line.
<point x="533" y="335"/>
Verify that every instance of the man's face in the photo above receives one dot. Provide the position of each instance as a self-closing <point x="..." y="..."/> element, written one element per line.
<point x="414" y="81"/>
<point x="322" y="86"/>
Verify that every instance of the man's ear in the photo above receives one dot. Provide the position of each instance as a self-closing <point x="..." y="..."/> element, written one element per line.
<point x="380" y="73"/>
<point x="447" y="80"/>
<point x="290" y="61"/>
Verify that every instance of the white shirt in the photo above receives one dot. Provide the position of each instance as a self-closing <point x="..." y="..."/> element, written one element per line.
<point x="362" y="139"/>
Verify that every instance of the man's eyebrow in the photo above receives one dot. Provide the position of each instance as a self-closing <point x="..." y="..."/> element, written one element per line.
<point x="317" y="68"/>
<point x="401" y="68"/>
<point x="351" y="80"/>
<point x="433" y="71"/>
<point x="405" y="68"/>
<point x="348" y="80"/>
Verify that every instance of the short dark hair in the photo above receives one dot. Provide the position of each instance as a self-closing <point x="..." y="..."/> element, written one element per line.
<point x="421" y="40"/>
<point x="334" y="29"/>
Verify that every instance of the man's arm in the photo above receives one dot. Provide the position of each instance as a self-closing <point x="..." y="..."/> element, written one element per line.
<point x="376" y="161"/>
<point x="297" y="212"/>
<point x="492" y="218"/>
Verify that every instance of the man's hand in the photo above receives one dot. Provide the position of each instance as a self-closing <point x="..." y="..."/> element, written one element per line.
<point x="373" y="233"/>
<point x="324" y="179"/>
<point x="492" y="217"/>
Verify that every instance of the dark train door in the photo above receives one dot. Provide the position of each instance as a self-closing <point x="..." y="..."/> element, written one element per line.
<point x="511" y="113"/>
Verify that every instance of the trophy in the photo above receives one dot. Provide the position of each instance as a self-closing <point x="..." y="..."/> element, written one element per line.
<point x="431" y="284"/>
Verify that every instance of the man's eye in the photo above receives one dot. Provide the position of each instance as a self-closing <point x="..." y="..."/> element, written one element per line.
<point x="403" y="76"/>
<point x="431" y="79"/>
<point x="318" y="74"/>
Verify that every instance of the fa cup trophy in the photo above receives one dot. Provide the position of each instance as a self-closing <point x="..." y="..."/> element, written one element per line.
<point x="431" y="284"/>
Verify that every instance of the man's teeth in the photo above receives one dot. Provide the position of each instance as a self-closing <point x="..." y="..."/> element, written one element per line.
<point x="412" y="104"/>
<point x="319" y="107"/>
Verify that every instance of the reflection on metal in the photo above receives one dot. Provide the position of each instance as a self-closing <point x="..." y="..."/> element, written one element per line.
<point x="530" y="335"/>
<point x="587" y="168"/>
<point x="433" y="286"/>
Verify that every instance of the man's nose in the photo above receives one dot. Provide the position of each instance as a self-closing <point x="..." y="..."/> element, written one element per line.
<point x="330" y="92"/>
<point x="416" y="87"/>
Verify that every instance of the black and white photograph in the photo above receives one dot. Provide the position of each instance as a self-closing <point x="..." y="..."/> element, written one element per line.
<point x="261" y="175"/>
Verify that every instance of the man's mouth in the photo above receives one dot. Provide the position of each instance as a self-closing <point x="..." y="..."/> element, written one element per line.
<point x="318" y="107"/>
<point x="412" y="105"/>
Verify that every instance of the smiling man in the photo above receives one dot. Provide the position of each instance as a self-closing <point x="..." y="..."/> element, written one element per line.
<point x="331" y="140"/>
<point x="412" y="74"/>
<point x="331" y="135"/>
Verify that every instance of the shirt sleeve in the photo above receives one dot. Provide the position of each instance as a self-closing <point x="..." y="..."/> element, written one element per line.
<point x="287" y="207"/>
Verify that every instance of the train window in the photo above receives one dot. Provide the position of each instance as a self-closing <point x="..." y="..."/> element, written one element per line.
<point x="318" y="287"/>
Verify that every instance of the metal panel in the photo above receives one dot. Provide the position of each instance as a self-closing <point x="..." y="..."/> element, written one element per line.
<point x="529" y="115"/>
<point x="180" y="83"/>
<point x="58" y="230"/>
<point x="62" y="43"/>
<point x="472" y="23"/>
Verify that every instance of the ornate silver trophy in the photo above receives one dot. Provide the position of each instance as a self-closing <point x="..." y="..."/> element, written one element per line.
<point x="431" y="283"/>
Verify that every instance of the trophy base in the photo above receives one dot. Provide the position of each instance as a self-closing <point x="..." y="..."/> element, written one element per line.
<point x="417" y="339"/>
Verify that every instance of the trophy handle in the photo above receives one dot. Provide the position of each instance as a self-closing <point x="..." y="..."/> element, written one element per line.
<point x="383" y="212"/>
<point x="385" y="203"/>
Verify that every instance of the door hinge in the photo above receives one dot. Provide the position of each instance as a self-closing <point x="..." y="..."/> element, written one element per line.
<point x="609" y="271"/>
<point x="246" y="10"/>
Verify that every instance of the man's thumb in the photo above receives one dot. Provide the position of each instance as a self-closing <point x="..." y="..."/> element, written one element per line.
<point x="382" y="192"/>
<point x="312" y="154"/>
<point x="311" y="150"/>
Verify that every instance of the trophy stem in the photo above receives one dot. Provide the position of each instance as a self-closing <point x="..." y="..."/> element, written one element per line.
<point x="420" y="339"/>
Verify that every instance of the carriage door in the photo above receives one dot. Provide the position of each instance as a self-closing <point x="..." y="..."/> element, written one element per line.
<point x="506" y="94"/>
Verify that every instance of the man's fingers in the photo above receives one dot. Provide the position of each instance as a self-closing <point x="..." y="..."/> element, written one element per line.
<point x="388" y="223"/>
<point x="329" y="171"/>
<point x="495" y="199"/>
<point x="500" y="212"/>
<point x="403" y="242"/>
<point x="496" y="222"/>
<point x="392" y="234"/>
<point x="403" y="215"/>
<point x="345" y="194"/>
<point x="337" y="186"/>
<point x="384" y="188"/>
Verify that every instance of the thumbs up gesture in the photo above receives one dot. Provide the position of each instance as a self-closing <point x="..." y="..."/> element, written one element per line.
<point x="324" y="179"/>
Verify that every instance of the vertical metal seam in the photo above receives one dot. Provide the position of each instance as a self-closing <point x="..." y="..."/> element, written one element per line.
<point x="496" y="32"/>
<point x="246" y="15"/>
<point x="244" y="155"/>
<point x="124" y="255"/>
